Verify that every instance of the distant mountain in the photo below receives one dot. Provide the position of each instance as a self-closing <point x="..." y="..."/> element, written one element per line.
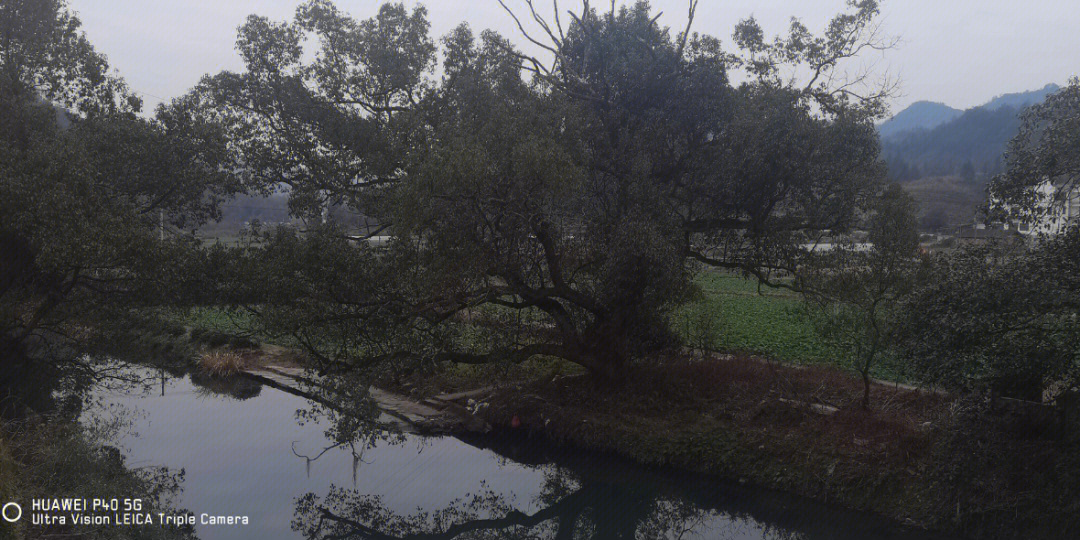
<point x="931" y="114"/>
<point x="969" y="145"/>
<point x="918" y="115"/>
<point x="1021" y="100"/>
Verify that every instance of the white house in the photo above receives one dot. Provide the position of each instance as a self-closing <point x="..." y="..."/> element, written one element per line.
<point x="1057" y="207"/>
<point x="1059" y="203"/>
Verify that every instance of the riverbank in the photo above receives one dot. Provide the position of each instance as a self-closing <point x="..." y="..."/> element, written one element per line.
<point x="252" y="455"/>
<point x="980" y="469"/>
<point x="798" y="430"/>
<point x="924" y="458"/>
<point x="793" y="429"/>
<point x="58" y="457"/>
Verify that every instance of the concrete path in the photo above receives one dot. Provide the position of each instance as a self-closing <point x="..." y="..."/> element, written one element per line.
<point x="441" y="414"/>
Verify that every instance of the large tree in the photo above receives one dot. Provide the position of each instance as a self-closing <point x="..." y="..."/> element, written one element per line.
<point x="537" y="208"/>
<point x="86" y="186"/>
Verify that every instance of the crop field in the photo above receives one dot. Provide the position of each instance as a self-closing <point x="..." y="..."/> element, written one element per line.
<point x="734" y="314"/>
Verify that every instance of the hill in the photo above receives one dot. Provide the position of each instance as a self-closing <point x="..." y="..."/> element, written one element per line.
<point x="1021" y="100"/>
<point x="970" y="144"/>
<point x="919" y="115"/>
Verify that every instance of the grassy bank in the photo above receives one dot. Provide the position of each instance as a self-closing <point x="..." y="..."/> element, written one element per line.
<point x="924" y="458"/>
<point x="60" y="458"/>
<point x="784" y="413"/>
<point x="798" y="430"/>
<point x="921" y="458"/>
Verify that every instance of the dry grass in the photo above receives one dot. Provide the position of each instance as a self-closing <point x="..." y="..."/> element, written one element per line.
<point x="808" y="414"/>
<point x="8" y="472"/>
<point x="222" y="363"/>
<point x="797" y="429"/>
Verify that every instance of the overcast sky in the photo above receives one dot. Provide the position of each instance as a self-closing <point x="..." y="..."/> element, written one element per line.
<point x="960" y="52"/>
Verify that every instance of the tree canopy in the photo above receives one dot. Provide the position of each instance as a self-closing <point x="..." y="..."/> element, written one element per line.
<point x="574" y="197"/>
<point x="87" y="187"/>
<point x="1045" y="149"/>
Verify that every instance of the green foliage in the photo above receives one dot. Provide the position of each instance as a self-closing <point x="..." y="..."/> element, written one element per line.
<point x="1045" y="148"/>
<point x="1004" y="317"/>
<point x="60" y="459"/>
<point x="770" y="323"/>
<point x="46" y="56"/>
<point x="549" y="195"/>
<point x="998" y="318"/>
<point x="85" y="188"/>
<point x="1008" y="473"/>
<point x="216" y="326"/>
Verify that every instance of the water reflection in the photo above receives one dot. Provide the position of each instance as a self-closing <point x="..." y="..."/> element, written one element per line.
<point x="600" y="510"/>
<point x="239" y="388"/>
<point x="245" y="452"/>
<point x="584" y="496"/>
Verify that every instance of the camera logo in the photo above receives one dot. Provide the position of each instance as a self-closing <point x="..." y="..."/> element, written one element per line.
<point x="11" y="512"/>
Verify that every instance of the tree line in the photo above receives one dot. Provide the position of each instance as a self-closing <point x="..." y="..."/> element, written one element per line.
<point x="554" y="206"/>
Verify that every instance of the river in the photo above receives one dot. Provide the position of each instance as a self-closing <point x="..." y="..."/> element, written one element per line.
<point x="245" y="451"/>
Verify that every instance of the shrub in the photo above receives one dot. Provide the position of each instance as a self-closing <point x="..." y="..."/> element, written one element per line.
<point x="996" y="318"/>
<point x="1007" y="473"/>
<point x="63" y="458"/>
<point x="222" y="363"/>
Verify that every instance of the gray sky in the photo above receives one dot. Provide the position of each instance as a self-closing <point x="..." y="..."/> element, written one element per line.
<point x="960" y="52"/>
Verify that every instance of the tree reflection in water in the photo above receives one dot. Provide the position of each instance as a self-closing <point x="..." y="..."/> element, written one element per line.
<point x="236" y="386"/>
<point x="589" y="496"/>
<point x="578" y="499"/>
<point x="589" y="511"/>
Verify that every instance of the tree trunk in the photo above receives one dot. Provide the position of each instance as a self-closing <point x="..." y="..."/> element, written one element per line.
<point x="866" y="375"/>
<point x="866" y="389"/>
<point x="606" y="367"/>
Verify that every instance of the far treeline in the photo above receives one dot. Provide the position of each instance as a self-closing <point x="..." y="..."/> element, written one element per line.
<point x="558" y="205"/>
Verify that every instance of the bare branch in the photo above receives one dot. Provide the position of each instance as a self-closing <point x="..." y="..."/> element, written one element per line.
<point x="524" y="32"/>
<point x="686" y="33"/>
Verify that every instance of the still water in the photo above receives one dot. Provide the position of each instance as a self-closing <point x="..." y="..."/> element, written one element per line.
<point x="246" y="452"/>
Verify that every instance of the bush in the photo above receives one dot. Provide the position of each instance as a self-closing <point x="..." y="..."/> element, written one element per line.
<point x="60" y="458"/>
<point x="995" y="318"/>
<point x="222" y="363"/>
<point x="1008" y="472"/>
<point x="215" y="339"/>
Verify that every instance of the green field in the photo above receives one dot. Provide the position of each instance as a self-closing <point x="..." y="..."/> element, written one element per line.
<point x="734" y="314"/>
